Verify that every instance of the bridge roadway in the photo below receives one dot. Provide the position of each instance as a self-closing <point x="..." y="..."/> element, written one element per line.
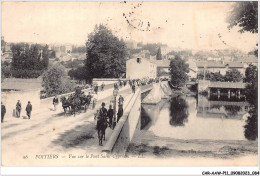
<point x="51" y="132"/>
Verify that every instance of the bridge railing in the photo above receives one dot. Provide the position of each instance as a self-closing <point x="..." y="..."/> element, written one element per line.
<point x="125" y="128"/>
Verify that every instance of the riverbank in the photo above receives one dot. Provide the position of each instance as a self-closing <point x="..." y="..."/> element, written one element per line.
<point x="149" y="145"/>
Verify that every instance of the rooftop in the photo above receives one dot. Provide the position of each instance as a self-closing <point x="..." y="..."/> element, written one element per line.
<point x="161" y="63"/>
<point x="231" y="85"/>
<point x="212" y="64"/>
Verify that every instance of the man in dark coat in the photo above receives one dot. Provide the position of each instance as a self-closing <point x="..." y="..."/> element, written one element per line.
<point x="18" y="108"/>
<point x="3" y="111"/>
<point x="102" y="86"/>
<point x="133" y="88"/>
<point x="102" y="115"/>
<point x="110" y="114"/>
<point x="29" y="109"/>
<point x="55" y="102"/>
<point x="119" y="114"/>
<point x="120" y="102"/>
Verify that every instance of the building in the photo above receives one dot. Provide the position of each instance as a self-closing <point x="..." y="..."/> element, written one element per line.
<point x="138" y="68"/>
<point x="192" y="68"/>
<point x="163" y="68"/>
<point x="221" y="67"/>
<point x="246" y="61"/>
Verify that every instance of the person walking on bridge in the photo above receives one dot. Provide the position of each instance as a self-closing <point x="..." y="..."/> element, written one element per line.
<point x="18" y="108"/>
<point x="29" y="109"/>
<point x="120" y="102"/>
<point x="110" y="114"/>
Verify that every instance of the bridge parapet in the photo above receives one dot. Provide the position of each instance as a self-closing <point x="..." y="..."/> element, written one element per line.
<point x="125" y="128"/>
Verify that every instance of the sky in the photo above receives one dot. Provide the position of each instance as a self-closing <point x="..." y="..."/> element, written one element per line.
<point x="187" y="25"/>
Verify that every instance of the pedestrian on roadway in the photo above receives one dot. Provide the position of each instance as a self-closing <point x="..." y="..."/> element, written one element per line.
<point x="29" y="109"/>
<point x="18" y="108"/>
<point x="3" y="111"/>
<point x="120" y="102"/>
<point x="110" y="114"/>
<point x="55" y="102"/>
<point x="133" y="88"/>
<point x="96" y="89"/>
<point x="95" y="99"/>
<point x="102" y="86"/>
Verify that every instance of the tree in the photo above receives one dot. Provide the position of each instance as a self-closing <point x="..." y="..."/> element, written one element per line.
<point x="216" y="77"/>
<point x="251" y="93"/>
<point x="55" y="82"/>
<point x="159" y="54"/>
<point x="245" y="15"/>
<point x="106" y="55"/>
<point x="78" y="74"/>
<point x="178" y="71"/>
<point x="29" y="61"/>
<point x="233" y="75"/>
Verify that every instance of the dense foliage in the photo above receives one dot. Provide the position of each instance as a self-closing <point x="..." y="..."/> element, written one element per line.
<point x="232" y="75"/>
<point x="54" y="81"/>
<point x="245" y="15"/>
<point x="178" y="71"/>
<point x="159" y="54"/>
<point x="106" y="55"/>
<point x="29" y="61"/>
<point x="251" y="92"/>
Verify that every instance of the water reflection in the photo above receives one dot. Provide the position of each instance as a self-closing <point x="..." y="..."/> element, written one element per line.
<point x="251" y="127"/>
<point x="232" y="110"/>
<point x="195" y="118"/>
<point x="178" y="111"/>
<point x="212" y="108"/>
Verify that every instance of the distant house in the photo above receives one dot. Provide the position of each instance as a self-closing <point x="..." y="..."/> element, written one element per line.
<point x="163" y="68"/>
<point x="192" y="68"/>
<point x="246" y="61"/>
<point x="221" y="67"/>
<point x="138" y="68"/>
<point x="236" y="65"/>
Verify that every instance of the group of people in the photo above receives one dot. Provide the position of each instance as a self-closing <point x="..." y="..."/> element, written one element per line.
<point x="18" y="110"/>
<point x="104" y="118"/>
<point x="109" y="114"/>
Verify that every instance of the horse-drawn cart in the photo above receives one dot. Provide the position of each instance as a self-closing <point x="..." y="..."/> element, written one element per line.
<point x="76" y="102"/>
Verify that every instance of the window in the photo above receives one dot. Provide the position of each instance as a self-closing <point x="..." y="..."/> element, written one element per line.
<point x="138" y="60"/>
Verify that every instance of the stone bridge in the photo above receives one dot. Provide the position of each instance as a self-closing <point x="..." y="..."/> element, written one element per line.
<point x="125" y="128"/>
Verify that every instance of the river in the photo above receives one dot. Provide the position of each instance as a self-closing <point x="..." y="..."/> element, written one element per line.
<point x="191" y="118"/>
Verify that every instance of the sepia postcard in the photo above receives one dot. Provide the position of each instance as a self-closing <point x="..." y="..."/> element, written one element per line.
<point x="124" y="83"/>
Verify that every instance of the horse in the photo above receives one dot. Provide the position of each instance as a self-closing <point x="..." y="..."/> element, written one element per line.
<point x="75" y="105"/>
<point x="101" y="127"/>
<point x="65" y="104"/>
